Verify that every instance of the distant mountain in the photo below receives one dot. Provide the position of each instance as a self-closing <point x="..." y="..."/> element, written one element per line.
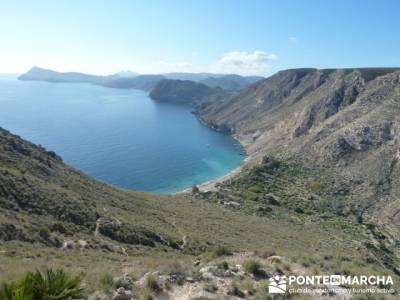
<point x="129" y="79"/>
<point x="127" y="73"/>
<point x="182" y="91"/>
<point x="231" y="82"/>
<point x="140" y="82"/>
<point x="191" y="76"/>
<point x="121" y="80"/>
<point x="40" y="74"/>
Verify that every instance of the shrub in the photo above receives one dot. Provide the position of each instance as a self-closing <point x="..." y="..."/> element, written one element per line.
<point x="55" y="285"/>
<point x="222" y="251"/>
<point x="44" y="232"/>
<point x="223" y="265"/>
<point x="210" y="287"/>
<point x="144" y="294"/>
<point x="125" y="282"/>
<point x="247" y="285"/>
<point x="106" y="281"/>
<point x="217" y="272"/>
<point x="177" y="270"/>
<point x="265" y="253"/>
<point x="48" y="285"/>
<point x="262" y="294"/>
<point x="195" y="189"/>
<point x="315" y="186"/>
<point x="263" y="210"/>
<point x="152" y="284"/>
<point x="249" y="195"/>
<point x="234" y="290"/>
<point x="252" y="266"/>
<point x="197" y="275"/>
<point x="299" y="210"/>
<point x="14" y="291"/>
<point x="215" y="253"/>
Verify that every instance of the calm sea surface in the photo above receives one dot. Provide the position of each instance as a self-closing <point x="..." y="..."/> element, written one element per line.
<point x="118" y="136"/>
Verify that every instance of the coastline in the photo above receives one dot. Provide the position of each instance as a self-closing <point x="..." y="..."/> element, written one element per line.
<point x="210" y="185"/>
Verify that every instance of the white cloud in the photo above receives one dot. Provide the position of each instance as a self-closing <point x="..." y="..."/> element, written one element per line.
<point x="292" y="39"/>
<point x="246" y="63"/>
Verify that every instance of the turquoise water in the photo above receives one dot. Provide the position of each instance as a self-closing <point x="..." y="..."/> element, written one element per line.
<point x="118" y="136"/>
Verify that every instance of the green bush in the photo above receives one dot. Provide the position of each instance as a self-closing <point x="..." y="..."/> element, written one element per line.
<point x="16" y="291"/>
<point x="50" y="284"/>
<point x="195" y="189"/>
<point x="252" y="266"/>
<point x="152" y="284"/>
<point x="247" y="285"/>
<point x="55" y="285"/>
<point x="234" y="290"/>
<point x="222" y="251"/>
<point x="144" y="294"/>
<point x="223" y="265"/>
<point x="107" y="281"/>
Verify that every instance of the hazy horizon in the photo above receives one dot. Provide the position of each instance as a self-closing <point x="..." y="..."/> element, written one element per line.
<point x="156" y="37"/>
<point x="124" y="70"/>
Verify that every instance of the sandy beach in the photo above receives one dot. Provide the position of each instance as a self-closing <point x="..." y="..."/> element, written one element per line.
<point x="211" y="184"/>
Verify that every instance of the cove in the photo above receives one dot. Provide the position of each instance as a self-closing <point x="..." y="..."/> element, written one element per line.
<point x="118" y="136"/>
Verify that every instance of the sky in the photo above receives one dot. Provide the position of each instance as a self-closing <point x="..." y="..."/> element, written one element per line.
<point x="224" y="36"/>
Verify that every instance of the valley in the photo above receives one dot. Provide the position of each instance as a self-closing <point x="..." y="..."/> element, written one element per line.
<point x="319" y="186"/>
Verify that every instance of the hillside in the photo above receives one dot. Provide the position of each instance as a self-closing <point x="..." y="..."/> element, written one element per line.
<point x="53" y="215"/>
<point x="182" y="91"/>
<point x="343" y="121"/>
<point x="319" y="191"/>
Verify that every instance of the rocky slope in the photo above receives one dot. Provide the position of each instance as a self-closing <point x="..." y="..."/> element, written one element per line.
<point x="344" y="120"/>
<point x="321" y="182"/>
<point x="53" y="215"/>
<point x="43" y="200"/>
<point x="235" y="276"/>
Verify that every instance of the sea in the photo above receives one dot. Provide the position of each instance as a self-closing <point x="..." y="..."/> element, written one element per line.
<point x="119" y="136"/>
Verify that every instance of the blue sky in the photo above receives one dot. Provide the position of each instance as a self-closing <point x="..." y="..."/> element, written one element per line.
<point x="155" y="36"/>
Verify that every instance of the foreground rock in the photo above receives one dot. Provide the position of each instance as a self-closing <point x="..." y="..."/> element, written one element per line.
<point x="238" y="276"/>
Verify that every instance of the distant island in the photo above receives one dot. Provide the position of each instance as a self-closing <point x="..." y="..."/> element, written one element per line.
<point x="132" y="80"/>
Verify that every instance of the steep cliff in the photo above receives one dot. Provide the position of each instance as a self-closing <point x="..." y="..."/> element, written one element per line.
<point x="344" y="120"/>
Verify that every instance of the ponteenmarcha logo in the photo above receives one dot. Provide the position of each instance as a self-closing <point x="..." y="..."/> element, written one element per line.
<point x="280" y="284"/>
<point x="277" y="285"/>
